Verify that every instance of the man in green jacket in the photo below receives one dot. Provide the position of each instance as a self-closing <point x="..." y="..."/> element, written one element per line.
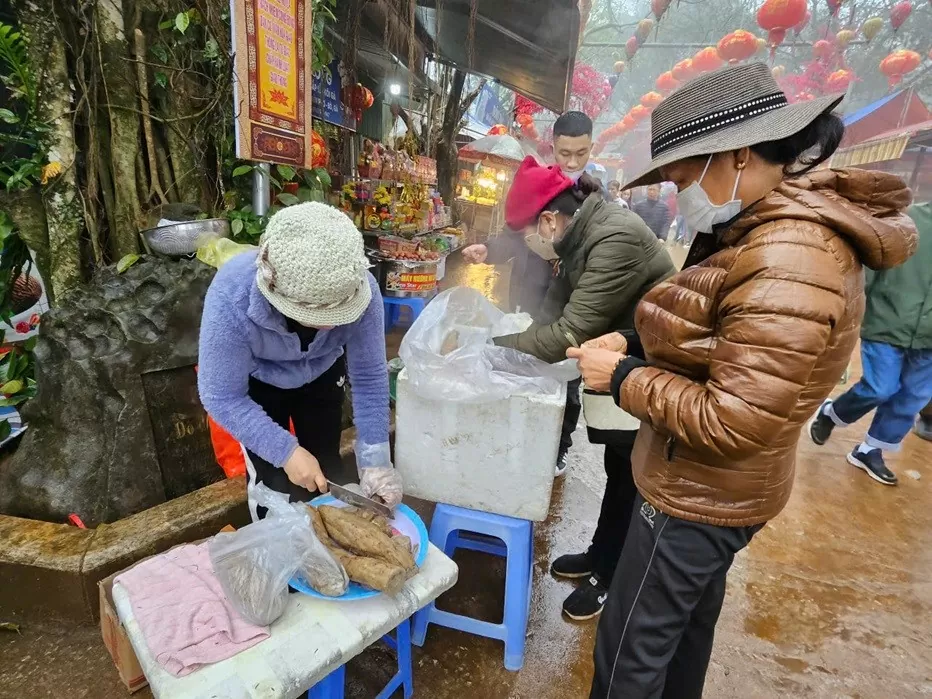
<point x="896" y="358"/>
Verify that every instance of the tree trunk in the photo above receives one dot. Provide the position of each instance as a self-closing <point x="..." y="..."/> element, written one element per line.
<point x="28" y="213"/>
<point x="61" y="198"/>
<point x="446" y="151"/>
<point x="120" y="97"/>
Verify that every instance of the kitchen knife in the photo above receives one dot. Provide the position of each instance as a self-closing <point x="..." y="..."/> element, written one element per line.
<point x="350" y="497"/>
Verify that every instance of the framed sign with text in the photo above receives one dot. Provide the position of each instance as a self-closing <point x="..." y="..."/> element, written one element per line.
<point x="272" y="82"/>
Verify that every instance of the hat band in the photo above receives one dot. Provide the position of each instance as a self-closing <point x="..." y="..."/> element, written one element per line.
<point x="683" y="133"/>
<point x="268" y="276"/>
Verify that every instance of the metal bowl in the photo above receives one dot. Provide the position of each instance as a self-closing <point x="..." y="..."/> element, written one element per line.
<point x="186" y="237"/>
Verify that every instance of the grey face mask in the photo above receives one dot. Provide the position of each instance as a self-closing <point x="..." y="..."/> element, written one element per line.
<point x="541" y="246"/>
<point x="700" y="213"/>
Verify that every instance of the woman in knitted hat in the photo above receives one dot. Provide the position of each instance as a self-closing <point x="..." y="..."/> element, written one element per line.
<point x="606" y="258"/>
<point x="273" y="334"/>
<point x="739" y="349"/>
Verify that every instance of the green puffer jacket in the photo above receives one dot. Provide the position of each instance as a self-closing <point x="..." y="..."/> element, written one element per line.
<point x="899" y="300"/>
<point x="609" y="258"/>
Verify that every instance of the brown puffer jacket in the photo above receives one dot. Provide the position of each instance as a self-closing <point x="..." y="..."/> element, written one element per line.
<point x="745" y="346"/>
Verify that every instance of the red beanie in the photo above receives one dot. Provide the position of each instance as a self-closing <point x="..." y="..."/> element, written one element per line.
<point x="534" y="185"/>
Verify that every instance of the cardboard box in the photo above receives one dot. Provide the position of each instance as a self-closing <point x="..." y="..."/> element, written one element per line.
<point x="114" y="634"/>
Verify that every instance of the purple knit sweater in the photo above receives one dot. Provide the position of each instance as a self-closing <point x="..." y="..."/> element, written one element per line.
<point x="242" y="335"/>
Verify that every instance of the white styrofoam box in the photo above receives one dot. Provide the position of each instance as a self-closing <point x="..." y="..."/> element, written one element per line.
<point x="494" y="457"/>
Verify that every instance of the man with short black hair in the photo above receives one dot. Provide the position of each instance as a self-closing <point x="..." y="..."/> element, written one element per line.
<point x="572" y="143"/>
<point x="655" y="212"/>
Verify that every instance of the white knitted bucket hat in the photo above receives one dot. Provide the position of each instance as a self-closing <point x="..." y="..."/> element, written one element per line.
<point x="312" y="267"/>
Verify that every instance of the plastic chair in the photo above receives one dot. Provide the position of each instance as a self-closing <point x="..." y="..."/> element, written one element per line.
<point x="517" y="537"/>
<point x="331" y="687"/>
<point x="393" y="308"/>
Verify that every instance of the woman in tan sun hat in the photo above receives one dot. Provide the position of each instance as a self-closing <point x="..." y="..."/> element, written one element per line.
<point x="738" y="351"/>
<point x="273" y="333"/>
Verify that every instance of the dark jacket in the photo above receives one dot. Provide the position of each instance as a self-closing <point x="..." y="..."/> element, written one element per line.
<point x="899" y="300"/>
<point x="608" y="260"/>
<point x="744" y="346"/>
<point x="656" y="215"/>
<point x="530" y="274"/>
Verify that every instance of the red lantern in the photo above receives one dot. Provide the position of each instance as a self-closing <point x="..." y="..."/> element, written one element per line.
<point x="628" y="122"/>
<point x="834" y="6"/>
<point x="900" y="13"/>
<point x="631" y="47"/>
<point x="645" y="26"/>
<point x="666" y="82"/>
<point x="822" y="49"/>
<point x="683" y="70"/>
<point x="707" y="59"/>
<point x="498" y="130"/>
<point x="843" y="38"/>
<point x="357" y="97"/>
<point x="658" y="7"/>
<point x="320" y="154"/>
<point x="898" y="64"/>
<point x="619" y="67"/>
<point x="639" y="112"/>
<point x="778" y="17"/>
<point x="839" y="81"/>
<point x="524" y="119"/>
<point x="651" y="99"/>
<point x="737" y="46"/>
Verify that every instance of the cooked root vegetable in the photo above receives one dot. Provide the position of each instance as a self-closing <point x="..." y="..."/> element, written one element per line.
<point x="363" y="537"/>
<point x="372" y="572"/>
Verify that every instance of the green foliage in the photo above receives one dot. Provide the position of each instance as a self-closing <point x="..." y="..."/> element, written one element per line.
<point x="18" y="374"/>
<point x="21" y="131"/>
<point x="126" y="262"/>
<point x="245" y="225"/>
<point x="14" y="261"/>
<point x="322" y="13"/>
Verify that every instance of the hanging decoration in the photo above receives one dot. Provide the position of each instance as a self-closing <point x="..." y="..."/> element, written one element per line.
<point x="631" y="47"/>
<point x="683" y="70"/>
<point x="843" y="38"/>
<point x="498" y="130"/>
<point x="834" y="6"/>
<point x="358" y="98"/>
<point x="777" y="17"/>
<point x="645" y="26"/>
<point x="591" y="90"/>
<point x="839" y="81"/>
<point x="320" y="153"/>
<point x="629" y="122"/>
<point x="898" y="64"/>
<point x="737" y="46"/>
<point x="651" y="100"/>
<point x="639" y="113"/>
<point x="619" y="67"/>
<point x="778" y="72"/>
<point x="528" y="128"/>
<point x="666" y="82"/>
<point x="658" y="7"/>
<point x="523" y="105"/>
<point x="823" y="49"/>
<point x="707" y="60"/>
<point x="871" y="27"/>
<point x="900" y="13"/>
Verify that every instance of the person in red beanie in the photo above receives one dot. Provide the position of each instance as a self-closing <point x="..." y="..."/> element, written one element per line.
<point x="606" y="258"/>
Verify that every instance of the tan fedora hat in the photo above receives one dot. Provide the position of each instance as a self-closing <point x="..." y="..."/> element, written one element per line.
<point x="728" y="109"/>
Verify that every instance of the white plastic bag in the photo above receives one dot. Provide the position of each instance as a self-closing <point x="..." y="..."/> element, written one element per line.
<point x="255" y="563"/>
<point x="449" y="354"/>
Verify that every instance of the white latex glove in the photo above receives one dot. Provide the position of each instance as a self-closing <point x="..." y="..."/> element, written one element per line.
<point x="382" y="481"/>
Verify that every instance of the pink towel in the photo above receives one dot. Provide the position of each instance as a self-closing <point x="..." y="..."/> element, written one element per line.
<point x="184" y="616"/>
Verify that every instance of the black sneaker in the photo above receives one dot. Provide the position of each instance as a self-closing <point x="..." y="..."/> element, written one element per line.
<point x="923" y="428"/>
<point x="562" y="466"/>
<point x="586" y="601"/>
<point x="872" y="463"/>
<point x="572" y="566"/>
<point x="821" y="426"/>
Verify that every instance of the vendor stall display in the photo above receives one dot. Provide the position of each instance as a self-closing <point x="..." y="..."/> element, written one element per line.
<point x="480" y="193"/>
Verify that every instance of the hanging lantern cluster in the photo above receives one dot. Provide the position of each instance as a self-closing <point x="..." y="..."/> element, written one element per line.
<point x="683" y="70"/>
<point x="320" y="153"/>
<point x="823" y="49"/>
<point x="707" y="60"/>
<point x="871" y="27"/>
<point x="498" y="130"/>
<point x="645" y="27"/>
<point x="651" y="100"/>
<point x="357" y="98"/>
<point x="898" y="64"/>
<point x="843" y="38"/>
<point x="737" y="46"/>
<point x="666" y="82"/>
<point x="658" y="7"/>
<point x="900" y="13"/>
<point x="528" y="128"/>
<point x="631" y="47"/>
<point x="839" y="81"/>
<point x="777" y="17"/>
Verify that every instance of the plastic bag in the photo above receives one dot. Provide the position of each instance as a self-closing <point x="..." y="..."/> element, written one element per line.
<point x="218" y="252"/>
<point x="449" y="354"/>
<point x="255" y="563"/>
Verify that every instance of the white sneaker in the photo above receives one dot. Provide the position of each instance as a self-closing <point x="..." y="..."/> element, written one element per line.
<point x="562" y="466"/>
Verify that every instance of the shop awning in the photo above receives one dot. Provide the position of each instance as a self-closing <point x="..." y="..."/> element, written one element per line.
<point x="527" y="45"/>
<point x="886" y="146"/>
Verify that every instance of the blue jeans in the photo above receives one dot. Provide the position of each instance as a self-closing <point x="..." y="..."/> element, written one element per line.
<point x="897" y="383"/>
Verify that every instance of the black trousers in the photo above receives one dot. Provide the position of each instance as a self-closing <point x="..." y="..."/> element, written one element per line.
<point x="316" y="411"/>
<point x="570" y="415"/>
<point x="615" y="516"/>
<point x="655" y="635"/>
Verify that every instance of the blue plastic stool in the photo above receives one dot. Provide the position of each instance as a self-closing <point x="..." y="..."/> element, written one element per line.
<point x="517" y="536"/>
<point x="331" y="687"/>
<point x="393" y="308"/>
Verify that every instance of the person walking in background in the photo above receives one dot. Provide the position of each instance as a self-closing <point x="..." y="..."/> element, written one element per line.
<point x="739" y="349"/>
<point x="655" y="212"/>
<point x="531" y="275"/>
<point x="608" y="259"/>
<point x="614" y="194"/>
<point x="896" y="359"/>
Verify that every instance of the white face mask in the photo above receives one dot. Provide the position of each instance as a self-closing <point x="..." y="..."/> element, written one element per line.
<point x="700" y="213"/>
<point x="574" y="174"/>
<point x="541" y="246"/>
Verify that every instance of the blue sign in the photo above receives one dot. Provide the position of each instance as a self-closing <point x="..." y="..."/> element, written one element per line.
<point x="487" y="109"/>
<point x="325" y="96"/>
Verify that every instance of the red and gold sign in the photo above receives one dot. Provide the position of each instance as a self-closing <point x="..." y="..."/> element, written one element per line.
<point x="273" y="40"/>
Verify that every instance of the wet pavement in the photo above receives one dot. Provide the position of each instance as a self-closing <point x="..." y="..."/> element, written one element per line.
<point x="832" y="599"/>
